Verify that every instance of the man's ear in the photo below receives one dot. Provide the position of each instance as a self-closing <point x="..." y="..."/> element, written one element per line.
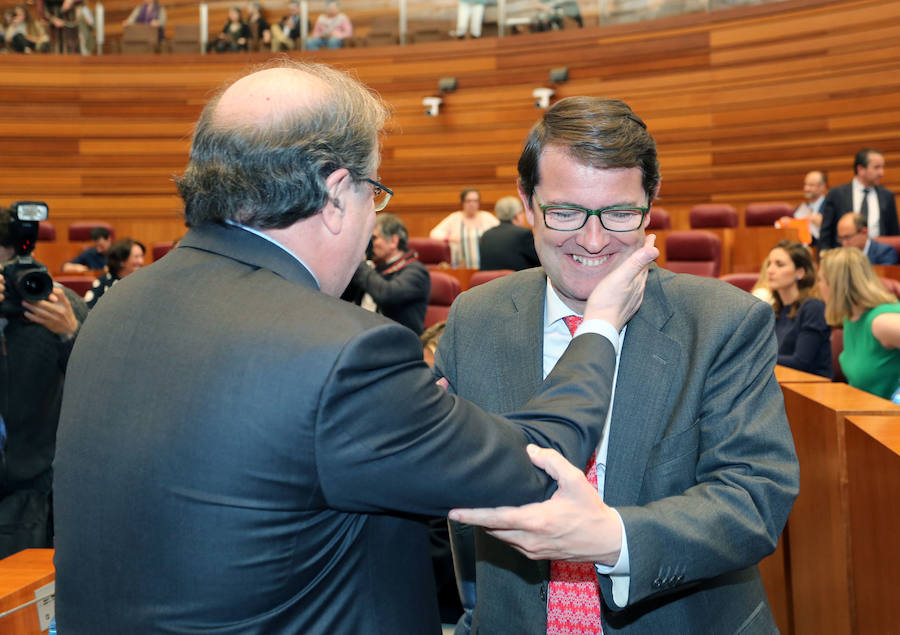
<point x="333" y="213"/>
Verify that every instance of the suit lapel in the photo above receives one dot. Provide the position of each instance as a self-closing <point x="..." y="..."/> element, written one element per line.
<point x="521" y="351"/>
<point x="645" y="380"/>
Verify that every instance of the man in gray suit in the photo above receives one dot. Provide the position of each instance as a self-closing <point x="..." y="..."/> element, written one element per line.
<point x="242" y="452"/>
<point x="696" y="472"/>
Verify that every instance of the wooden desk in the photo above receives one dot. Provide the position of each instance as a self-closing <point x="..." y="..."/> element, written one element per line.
<point x="873" y="489"/>
<point x="20" y="575"/>
<point x="785" y="375"/>
<point x="819" y="555"/>
<point x="887" y="271"/>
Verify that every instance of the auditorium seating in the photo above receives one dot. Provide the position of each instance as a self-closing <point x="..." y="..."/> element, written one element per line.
<point x="713" y="215"/>
<point x="81" y="231"/>
<point x="659" y="219"/>
<point x="140" y="38"/>
<point x="745" y="281"/>
<point x="46" y="231"/>
<point x="160" y="249"/>
<point x="765" y="214"/>
<point x="694" y="251"/>
<point x="431" y="251"/>
<point x="480" y="277"/>
<point x="78" y="284"/>
<point x="444" y="289"/>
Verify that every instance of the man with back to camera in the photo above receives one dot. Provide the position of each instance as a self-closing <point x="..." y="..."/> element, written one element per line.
<point x="697" y="467"/>
<point x="864" y="195"/>
<point x="34" y="349"/>
<point x="398" y="286"/>
<point x="260" y="452"/>
<point x="92" y="258"/>
<point x="852" y="231"/>
<point x="509" y="245"/>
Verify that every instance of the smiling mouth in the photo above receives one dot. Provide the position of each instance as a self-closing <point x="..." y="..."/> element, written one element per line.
<point x="589" y="261"/>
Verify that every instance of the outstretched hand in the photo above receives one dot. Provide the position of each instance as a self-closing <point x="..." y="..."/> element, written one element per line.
<point x="619" y="295"/>
<point x="574" y="524"/>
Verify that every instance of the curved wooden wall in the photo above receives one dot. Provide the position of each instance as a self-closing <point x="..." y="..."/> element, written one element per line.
<point x="742" y="102"/>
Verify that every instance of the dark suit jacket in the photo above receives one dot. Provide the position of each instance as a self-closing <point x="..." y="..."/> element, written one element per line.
<point x="241" y="453"/>
<point x="839" y="201"/>
<point x="402" y="296"/>
<point x="701" y="463"/>
<point x="508" y="246"/>
<point x="881" y="254"/>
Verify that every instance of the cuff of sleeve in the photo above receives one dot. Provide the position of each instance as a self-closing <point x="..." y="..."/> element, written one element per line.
<point x="600" y="327"/>
<point x="620" y="573"/>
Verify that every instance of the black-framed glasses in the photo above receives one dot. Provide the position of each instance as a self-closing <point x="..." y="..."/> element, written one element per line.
<point x="381" y="193"/>
<point x="616" y="218"/>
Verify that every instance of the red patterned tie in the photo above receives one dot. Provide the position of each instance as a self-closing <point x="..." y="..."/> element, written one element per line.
<point x="573" y="605"/>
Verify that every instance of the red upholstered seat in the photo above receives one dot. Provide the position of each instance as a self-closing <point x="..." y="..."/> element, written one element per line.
<point x="430" y="250"/>
<point x="659" y="219"/>
<point x="694" y="251"/>
<point x="78" y="284"/>
<point x="713" y="215"/>
<point x="160" y="249"/>
<point x="480" y="277"/>
<point x="765" y="214"/>
<point x="80" y="231"/>
<point x="444" y="289"/>
<point x="745" y="281"/>
<point x="46" y="231"/>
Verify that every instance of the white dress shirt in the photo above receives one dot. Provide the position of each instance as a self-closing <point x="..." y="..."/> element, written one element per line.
<point x="873" y="213"/>
<point x="556" y="339"/>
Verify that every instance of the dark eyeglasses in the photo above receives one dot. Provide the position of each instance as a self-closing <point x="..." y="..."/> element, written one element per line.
<point x="617" y="218"/>
<point x="382" y="195"/>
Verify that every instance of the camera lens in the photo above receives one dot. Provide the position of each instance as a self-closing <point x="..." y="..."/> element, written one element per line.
<point x="34" y="286"/>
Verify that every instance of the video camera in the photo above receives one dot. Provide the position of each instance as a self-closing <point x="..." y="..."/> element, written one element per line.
<point x="25" y="278"/>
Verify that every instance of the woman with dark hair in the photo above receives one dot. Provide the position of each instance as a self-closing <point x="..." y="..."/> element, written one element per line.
<point x="804" y="338"/>
<point x="870" y="315"/>
<point x="123" y="258"/>
<point x="235" y="34"/>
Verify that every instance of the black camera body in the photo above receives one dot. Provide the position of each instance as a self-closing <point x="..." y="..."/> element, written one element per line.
<point x="24" y="277"/>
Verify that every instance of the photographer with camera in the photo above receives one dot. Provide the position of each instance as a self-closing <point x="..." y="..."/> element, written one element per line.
<point x="38" y="323"/>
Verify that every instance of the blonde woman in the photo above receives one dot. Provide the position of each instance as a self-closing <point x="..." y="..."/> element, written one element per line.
<point x="870" y="314"/>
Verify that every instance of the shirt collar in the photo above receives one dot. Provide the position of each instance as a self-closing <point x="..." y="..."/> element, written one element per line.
<point x="265" y="236"/>
<point x="554" y="308"/>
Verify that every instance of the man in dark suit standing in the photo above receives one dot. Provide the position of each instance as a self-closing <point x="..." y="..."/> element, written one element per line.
<point x="696" y="474"/>
<point x="398" y="285"/>
<point x="852" y="232"/>
<point x="509" y="245"/>
<point x="242" y="452"/>
<point x="863" y="195"/>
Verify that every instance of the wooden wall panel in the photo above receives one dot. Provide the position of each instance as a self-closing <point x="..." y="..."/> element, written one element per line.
<point x="743" y="102"/>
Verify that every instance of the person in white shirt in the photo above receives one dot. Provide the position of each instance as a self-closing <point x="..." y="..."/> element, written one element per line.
<point x="463" y="228"/>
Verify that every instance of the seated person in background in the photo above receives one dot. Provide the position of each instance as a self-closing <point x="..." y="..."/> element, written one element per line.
<point x="398" y="286"/>
<point x="286" y="32"/>
<point x="550" y="15"/>
<point x="509" y="245"/>
<point x="25" y="34"/>
<point x="92" y="258"/>
<point x="804" y="338"/>
<point x="332" y="28"/>
<point x="464" y="228"/>
<point x="259" y="26"/>
<point x="870" y="314"/>
<point x="815" y="186"/>
<point x="124" y="257"/>
<point x="36" y="347"/>
<point x="235" y="34"/>
<point x="149" y="12"/>
<point x="852" y="231"/>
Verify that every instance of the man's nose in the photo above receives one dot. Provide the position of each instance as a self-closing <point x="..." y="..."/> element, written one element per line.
<point x="592" y="237"/>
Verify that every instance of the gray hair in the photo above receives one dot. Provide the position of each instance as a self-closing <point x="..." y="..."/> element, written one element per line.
<point x="507" y="208"/>
<point x="274" y="175"/>
<point x="389" y="225"/>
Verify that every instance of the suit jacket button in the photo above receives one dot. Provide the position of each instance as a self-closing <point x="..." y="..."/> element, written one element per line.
<point x="543" y="593"/>
<point x="657" y="583"/>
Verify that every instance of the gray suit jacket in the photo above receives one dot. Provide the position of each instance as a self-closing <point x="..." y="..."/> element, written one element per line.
<point x="701" y="463"/>
<point x="240" y="453"/>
